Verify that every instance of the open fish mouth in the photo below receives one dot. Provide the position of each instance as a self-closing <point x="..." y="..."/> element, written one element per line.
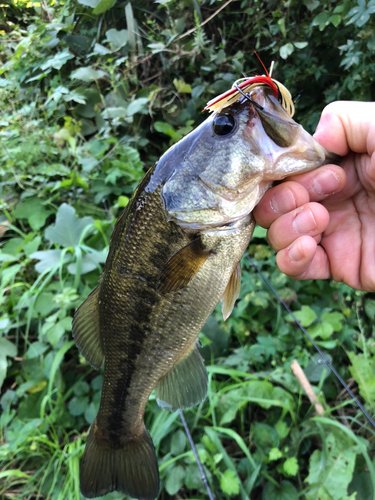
<point x="233" y="158"/>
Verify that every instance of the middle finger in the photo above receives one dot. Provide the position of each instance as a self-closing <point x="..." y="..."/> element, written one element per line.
<point x="310" y="219"/>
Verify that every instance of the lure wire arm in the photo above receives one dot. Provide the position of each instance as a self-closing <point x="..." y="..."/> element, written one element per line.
<point x="248" y="97"/>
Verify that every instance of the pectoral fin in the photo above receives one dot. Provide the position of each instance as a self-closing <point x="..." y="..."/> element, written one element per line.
<point x="232" y="292"/>
<point x="86" y="330"/>
<point x="182" y="267"/>
<point x="185" y="385"/>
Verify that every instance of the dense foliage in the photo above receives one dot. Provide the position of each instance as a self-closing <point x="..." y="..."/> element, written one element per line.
<point x="91" y="93"/>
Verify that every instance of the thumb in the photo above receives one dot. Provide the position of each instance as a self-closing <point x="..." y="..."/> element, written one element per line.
<point x="347" y="126"/>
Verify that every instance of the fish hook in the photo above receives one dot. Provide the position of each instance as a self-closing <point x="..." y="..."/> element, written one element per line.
<point x="248" y="97"/>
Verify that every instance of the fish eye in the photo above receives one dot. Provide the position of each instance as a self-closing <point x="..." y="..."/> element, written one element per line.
<point x="223" y="124"/>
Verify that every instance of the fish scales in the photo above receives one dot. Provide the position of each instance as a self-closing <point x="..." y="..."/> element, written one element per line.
<point x="136" y="318"/>
<point x="174" y="254"/>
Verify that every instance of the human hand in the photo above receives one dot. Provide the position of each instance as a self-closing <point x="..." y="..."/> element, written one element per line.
<point x="336" y="237"/>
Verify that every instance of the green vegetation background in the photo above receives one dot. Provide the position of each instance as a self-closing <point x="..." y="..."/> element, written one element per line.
<point x="92" y="92"/>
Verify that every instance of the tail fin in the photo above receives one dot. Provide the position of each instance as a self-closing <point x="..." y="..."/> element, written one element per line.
<point x="132" y="469"/>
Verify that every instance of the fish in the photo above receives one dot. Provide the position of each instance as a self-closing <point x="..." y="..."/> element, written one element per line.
<point x="174" y="255"/>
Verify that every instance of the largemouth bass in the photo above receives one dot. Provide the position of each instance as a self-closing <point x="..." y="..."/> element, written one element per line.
<point x="174" y="254"/>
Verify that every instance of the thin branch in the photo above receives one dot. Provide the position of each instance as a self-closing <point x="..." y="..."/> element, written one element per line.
<point x="204" y="22"/>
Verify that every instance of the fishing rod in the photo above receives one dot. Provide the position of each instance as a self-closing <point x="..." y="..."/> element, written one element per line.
<point x="194" y="449"/>
<point x="322" y="355"/>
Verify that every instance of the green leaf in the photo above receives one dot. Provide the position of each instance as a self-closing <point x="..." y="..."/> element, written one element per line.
<point x="4" y="322"/>
<point x="230" y="482"/>
<point x="89" y="3"/>
<point x="335" y="319"/>
<point x="44" y="304"/>
<point x="81" y="388"/>
<point x="300" y="45"/>
<point x="36" y="349"/>
<point x="321" y="20"/>
<point x="363" y="371"/>
<point x="48" y="259"/>
<point x="290" y="466"/>
<point x="286" y="50"/>
<point x="87" y="74"/>
<point x="175" y="480"/>
<point x="58" y="60"/>
<point x="103" y="6"/>
<point x="335" y="20"/>
<point x="281" y="23"/>
<point x="316" y="366"/>
<point x="34" y="211"/>
<point x="324" y="331"/>
<point x="178" y="443"/>
<point x="77" y="405"/>
<point x="259" y="232"/>
<point x="306" y="316"/>
<point x="90" y="412"/>
<point x="311" y="4"/>
<point x="274" y="454"/>
<point x="331" y="471"/>
<point x="7" y="348"/>
<point x="9" y="273"/>
<point x="137" y="106"/>
<point x="32" y="246"/>
<point x="3" y="369"/>
<point x="68" y="229"/>
<point x="89" y="262"/>
<point x="116" y="38"/>
<point x="182" y="87"/>
<point x="265" y="437"/>
<point x="284" y="491"/>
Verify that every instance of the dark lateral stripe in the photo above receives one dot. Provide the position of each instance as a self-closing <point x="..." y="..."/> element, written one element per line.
<point x="142" y="301"/>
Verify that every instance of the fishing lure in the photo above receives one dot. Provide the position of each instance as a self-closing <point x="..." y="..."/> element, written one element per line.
<point x="243" y="86"/>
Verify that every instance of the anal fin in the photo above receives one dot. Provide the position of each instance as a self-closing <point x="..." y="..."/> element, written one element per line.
<point x="232" y="292"/>
<point x="182" y="267"/>
<point x="185" y="385"/>
<point x="86" y="330"/>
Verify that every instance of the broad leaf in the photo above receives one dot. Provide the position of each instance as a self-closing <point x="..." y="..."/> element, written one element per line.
<point x="175" y="480"/>
<point x="363" y="370"/>
<point x="89" y="3"/>
<point x="332" y="471"/>
<point x="117" y="38"/>
<point x="285" y="491"/>
<point x="103" y="6"/>
<point x="34" y="211"/>
<point x="7" y="348"/>
<point x="49" y="259"/>
<point x="68" y="229"/>
<point x="230" y="482"/>
<point x="87" y="74"/>
<point x="286" y="50"/>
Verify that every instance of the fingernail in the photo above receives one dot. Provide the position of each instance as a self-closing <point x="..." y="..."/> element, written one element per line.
<point x="283" y="201"/>
<point x="295" y="252"/>
<point x="304" y="222"/>
<point x="325" y="183"/>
